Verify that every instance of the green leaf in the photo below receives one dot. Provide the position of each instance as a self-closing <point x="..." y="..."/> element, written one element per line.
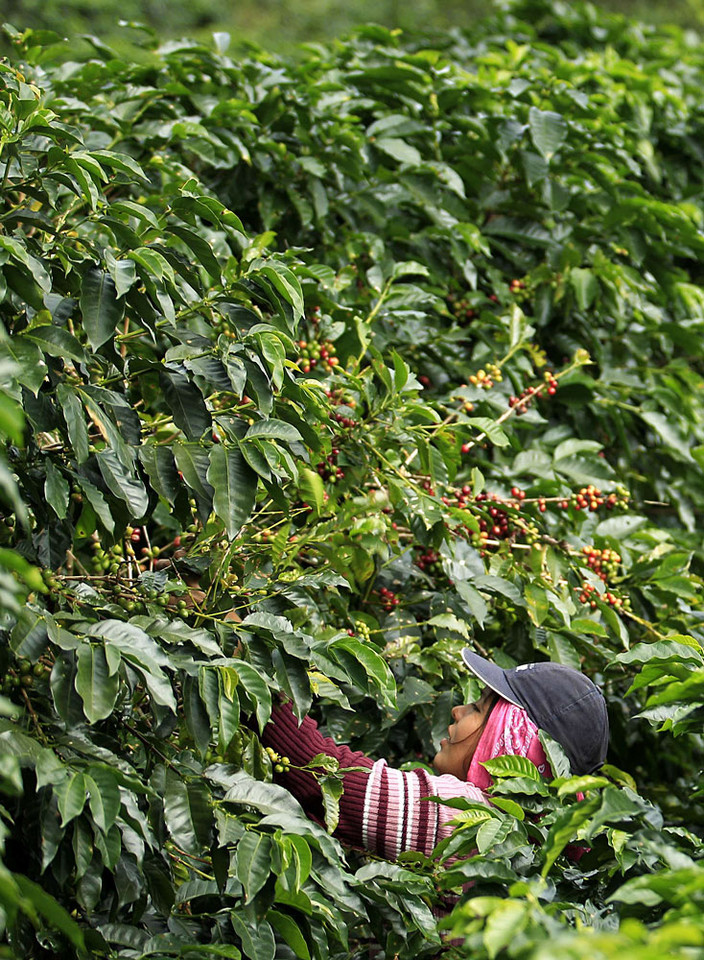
<point x="12" y="419"/>
<point x="120" y="161"/>
<point x="211" y="949"/>
<point x="66" y="701"/>
<point x="29" y="636"/>
<point x="11" y="560"/>
<point x="288" y="929"/>
<point x="399" y="150"/>
<point x="548" y="131"/>
<point x="675" y="649"/>
<point x="72" y="410"/>
<point x="193" y="462"/>
<point x="253" y="862"/>
<point x="139" y="648"/>
<point x="103" y="795"/>
<point x="669" y="432"/>
<point x="10" y="775"/>
<point x="228" y="706"/>
<point x="71" y="796"/>
<point x="581" y="784"/>
<point x="512" y="766"/>
<point x="491" y="429"/>
<point x="56" y="342"/>
<point x="155" y="266"/>
<point x="56" y="490"/>
<point x="99" y="504"/>
<point x="375" y="667"/>
<point x="585" y="286"/>
<point x="185" y="403"/>
<point x="34" y="267"/>
<point x="492" y="832"/>
<point x="448" y="621"/>
<point x="285" y="283"/>
<point x="257" y="691"/>
<point x="30" y="366"/>
<point x="564" y="830"/>
<point x="101" y="309"/>
<point x="123" y="273"/>
<point x="476" y="604"/>
<point x="123" y="483"/>
<point x="200" y="247"/>
<point x="273" y="430"/>
<point x="94" y="684"/>
<point x="332" y="789"/>
<point x="235" y="486"/>
<point x="583" y="471"/>
<point x="47" y="907"/>
<point x="312" y="489"/>
<point x="187" y="813"/>
<point x="504" y="924"/>
<point x="158" y="461"/>
<point x="256" y="938"/>
<point x="268" y="798"/>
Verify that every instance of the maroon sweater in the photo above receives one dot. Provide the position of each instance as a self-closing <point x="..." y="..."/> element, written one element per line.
<point x="381" y="809"/>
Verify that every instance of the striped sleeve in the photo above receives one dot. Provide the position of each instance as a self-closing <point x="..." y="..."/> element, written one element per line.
<point x="383" y="810"/>
<point x="397" y="815"/>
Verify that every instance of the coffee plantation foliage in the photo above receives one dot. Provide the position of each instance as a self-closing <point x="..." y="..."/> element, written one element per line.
<point x="312" y="373"/>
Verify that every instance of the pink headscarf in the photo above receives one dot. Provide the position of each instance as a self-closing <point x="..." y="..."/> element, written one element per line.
<point x="508" y="731"/>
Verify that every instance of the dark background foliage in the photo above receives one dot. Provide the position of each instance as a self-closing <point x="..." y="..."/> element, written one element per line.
<point x="279" y="24"/>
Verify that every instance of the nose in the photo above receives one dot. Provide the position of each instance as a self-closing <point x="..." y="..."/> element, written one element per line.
<point x="459" y="711"/>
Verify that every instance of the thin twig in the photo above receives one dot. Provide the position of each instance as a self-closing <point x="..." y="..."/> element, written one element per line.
<point x="34" y="716"/>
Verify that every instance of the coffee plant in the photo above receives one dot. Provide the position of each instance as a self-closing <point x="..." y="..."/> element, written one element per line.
<point x="312" y="372"/>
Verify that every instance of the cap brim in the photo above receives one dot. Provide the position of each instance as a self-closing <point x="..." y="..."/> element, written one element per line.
<point x="493" y="676"/>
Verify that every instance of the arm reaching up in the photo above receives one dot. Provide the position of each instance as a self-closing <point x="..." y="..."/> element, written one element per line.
<point x="382" y="810"/>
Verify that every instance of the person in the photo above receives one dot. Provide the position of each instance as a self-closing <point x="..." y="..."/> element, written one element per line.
<point x="384" y="810"/>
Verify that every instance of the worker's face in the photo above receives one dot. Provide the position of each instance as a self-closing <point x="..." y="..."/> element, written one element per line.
<point x="457" y="749"/>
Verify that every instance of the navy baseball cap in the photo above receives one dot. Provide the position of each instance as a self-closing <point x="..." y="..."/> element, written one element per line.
<point x="559" y="700"/>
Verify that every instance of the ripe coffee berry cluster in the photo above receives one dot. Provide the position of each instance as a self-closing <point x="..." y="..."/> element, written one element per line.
<point x="340" y="397"/>
<point x="486" y="378"/>
<point x="347" y="422"/>
<point x="589" y="595"/>
<point x="498" y="526"/>
<point x="328" y="468"/>
<point x="388" y="598"/>
<point x="604" y="562"/>
<point x="588" y="498"/>
<point x="550" y="384"/>
<point x="591" y="498"/>
<point x="316" y="352"/>
<point x="427" y="485"/>
<point x="460" y="307"/>
<point x="526" y="397"/>
<point x="459" y="497"/>
<point x="428" y="560"/>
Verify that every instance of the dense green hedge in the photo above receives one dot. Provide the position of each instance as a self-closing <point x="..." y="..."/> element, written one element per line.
<point x="312" y="374"/>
